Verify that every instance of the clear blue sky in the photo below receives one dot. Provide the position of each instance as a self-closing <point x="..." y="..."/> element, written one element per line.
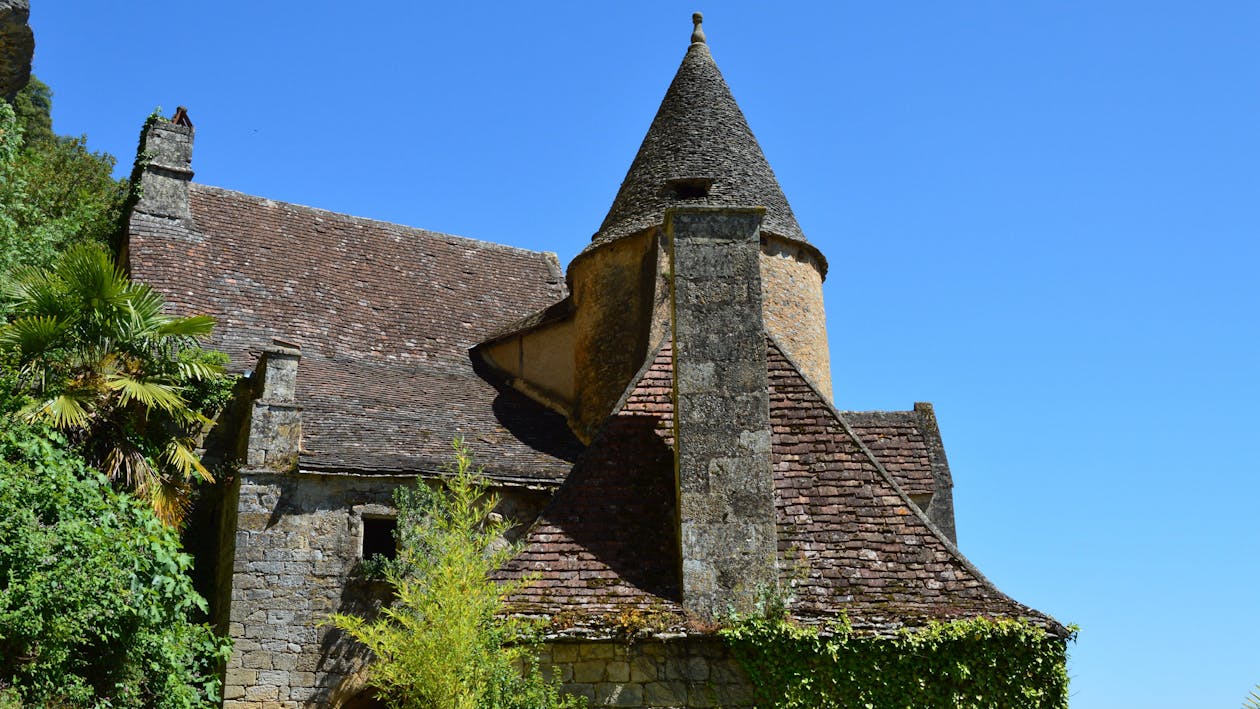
<point x="1042" y="216"/>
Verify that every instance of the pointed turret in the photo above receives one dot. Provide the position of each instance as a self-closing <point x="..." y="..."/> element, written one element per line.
<point x="699" y="151"/>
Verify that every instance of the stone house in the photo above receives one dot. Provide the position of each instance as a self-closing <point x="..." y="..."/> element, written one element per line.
<point x="658" y="417"/>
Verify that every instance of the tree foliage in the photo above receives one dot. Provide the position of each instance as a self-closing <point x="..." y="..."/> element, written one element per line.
<point x="101" y="361"/>
<point x="442" y="643"/>
<point x="54" y="191"/>
<point x="95" y="597"/>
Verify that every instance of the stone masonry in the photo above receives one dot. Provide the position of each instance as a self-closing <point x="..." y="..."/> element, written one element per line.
<point x="722" y="427"/>
<point x="663" y="673"/>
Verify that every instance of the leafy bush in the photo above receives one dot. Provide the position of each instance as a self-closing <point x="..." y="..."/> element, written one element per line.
<point x="95" y="598"/>
<point x="442" y="643"/>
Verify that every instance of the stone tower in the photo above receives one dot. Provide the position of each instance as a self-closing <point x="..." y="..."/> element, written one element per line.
<point x="699" y="151"/>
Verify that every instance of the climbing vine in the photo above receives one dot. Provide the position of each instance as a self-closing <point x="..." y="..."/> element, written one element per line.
<point x="962" y="664"/>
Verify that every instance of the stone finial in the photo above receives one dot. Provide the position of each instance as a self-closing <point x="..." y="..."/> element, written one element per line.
<point x="697" y="33"/>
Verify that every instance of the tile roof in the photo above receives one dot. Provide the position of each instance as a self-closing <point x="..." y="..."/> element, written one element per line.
<point x="700" y="137"/>
<point x="900" y="441"/>
<point x="385" y="315"/>
<point x="607" y="541"/>
<point x="850" y="540"/>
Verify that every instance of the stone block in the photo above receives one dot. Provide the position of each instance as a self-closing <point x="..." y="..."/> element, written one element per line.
<point x="564" y="652"/>
<point x="670" y="693"/>
<point x="258" y="660"/>
<point x="617" y="671"/>
<point x="643" y="669"/>
<point x="241" y="677"/>
<point x="593" y="651"/>
<point x="588" y="671"/>
<point x="262" y="692"/>
<point x="279" y="678"/>
<point x="618" y="695"/>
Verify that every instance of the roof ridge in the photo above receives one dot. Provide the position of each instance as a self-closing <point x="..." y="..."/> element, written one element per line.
<point x="910" y="505"/>
<point x="370" y="221"/>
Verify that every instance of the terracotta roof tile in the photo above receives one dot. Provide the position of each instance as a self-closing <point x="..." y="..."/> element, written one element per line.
<point x="849" y="540"/>
<point x="900" y="442"/>
<point x="607" y="540"/>
<point x="385" y="315"/>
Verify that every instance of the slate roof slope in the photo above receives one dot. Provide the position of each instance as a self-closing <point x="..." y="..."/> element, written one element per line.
<point x="699" y="133"/>
<point x="849" y="539"/>
<point x="384" y="314"/>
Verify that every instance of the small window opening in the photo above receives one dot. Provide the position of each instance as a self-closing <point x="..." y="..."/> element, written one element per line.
<point x="378" y="537"/>
<point x="688" y="187"/>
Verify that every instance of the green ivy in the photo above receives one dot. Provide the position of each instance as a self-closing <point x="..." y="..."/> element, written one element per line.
<point x="957" y="664"/>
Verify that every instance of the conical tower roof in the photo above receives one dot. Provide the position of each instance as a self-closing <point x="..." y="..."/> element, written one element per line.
<point x="699" y="150"/>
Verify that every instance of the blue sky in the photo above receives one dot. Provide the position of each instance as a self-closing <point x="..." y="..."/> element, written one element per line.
<point x="1040" y="216"/>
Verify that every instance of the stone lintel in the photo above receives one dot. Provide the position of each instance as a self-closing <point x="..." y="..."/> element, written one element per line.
<point x="722" y="409"/>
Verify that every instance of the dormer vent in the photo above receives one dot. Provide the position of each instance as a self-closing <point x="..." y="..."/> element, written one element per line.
<point x="683" y="188"/>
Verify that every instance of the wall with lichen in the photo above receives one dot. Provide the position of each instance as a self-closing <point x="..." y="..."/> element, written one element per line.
<point x="295" y="560"/>
<point x="675" y="672"/>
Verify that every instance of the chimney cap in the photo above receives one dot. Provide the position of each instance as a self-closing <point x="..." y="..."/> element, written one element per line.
<point x="181" y="117"/>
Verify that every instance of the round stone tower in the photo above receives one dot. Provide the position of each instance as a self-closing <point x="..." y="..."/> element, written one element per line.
<point x="699" y="151"/>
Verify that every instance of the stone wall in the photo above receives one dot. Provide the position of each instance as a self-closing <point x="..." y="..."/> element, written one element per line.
<point x="17" y="46"/>
<point x="297" y="545"/>
<point x="792" y="305"/>
<point x="614" y="292"/>
<point x="679" y="672"/>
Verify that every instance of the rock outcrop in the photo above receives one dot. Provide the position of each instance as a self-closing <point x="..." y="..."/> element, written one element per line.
<point x="17" y="46"/>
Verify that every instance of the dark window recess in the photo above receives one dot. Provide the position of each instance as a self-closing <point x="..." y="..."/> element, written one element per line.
<point x="688" y="187"/>
<point x="378" y="537"/>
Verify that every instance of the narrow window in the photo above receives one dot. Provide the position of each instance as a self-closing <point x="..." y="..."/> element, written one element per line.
<point x="378" y="537"/>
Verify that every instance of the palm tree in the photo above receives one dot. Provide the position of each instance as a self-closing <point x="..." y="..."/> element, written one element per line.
<point x="101" y="362"/>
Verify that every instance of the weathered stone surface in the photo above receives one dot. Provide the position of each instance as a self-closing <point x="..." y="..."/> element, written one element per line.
<point x="164" y="184"/>
<point x="694" y="671"/>
<point x="297" y="544"/>
<point x="17" y="47"/>
<point x="722" y="422"/>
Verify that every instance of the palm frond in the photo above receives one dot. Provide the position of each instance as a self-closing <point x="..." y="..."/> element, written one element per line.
<point x="32" y="335"/>
<point x="64" y="411"/>
<point x="170" y="502"/>
<point x="32" y="291"/>
<point x="198" y="370"/>
<point x="180" y="456"/>
<point x="191" y="326"/>
<point x="1253" y="699"/>
<point x="91" y="278"/>
<point x="126" y="463"/>
<point x="149" y="393"/>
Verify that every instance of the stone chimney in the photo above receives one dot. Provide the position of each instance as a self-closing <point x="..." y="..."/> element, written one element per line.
<point x="166" y="158"/>
<point x="274" y="433"/>
<point x="722" y="415"/>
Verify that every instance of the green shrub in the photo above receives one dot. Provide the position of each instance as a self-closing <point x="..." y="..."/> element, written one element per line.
<point x="442" y="644"/>
<point x="95" y="598"/>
